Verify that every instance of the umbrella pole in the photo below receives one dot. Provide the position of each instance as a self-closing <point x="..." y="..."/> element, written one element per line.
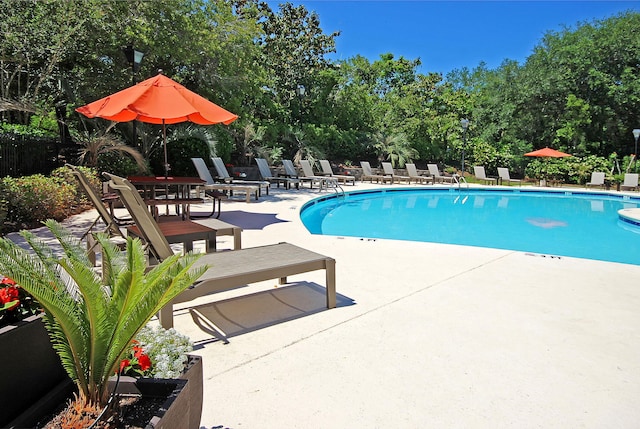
<point x="164" y="139"/>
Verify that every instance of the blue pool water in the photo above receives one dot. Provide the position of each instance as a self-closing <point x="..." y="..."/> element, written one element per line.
<point x="583" y="225"/>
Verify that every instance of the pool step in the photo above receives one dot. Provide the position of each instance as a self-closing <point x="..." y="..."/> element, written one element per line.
<point x="631" y="216"/>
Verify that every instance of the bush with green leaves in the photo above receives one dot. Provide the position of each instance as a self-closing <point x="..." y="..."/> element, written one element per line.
<point x="4" y="208"/>
<point x="116" y="163"/>
<point x="81" y="200"/>
<point x="179" y="154"/>
<point x="32" y="199"/>
<point x="576" y="170"/>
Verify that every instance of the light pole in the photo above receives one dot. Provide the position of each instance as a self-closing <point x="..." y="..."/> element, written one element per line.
<point x="465" y="124"/>
<point x="300" y="91"/>
<point x="636" y="134"/>
<point x="134" y="58"/>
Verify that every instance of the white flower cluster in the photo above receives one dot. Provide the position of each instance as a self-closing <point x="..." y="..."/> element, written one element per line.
<point x="167" y="349"/>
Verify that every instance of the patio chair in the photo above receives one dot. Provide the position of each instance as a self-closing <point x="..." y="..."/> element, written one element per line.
<point x="228" y="270"/>
<point x="223" y="174"/>
<point x="186" y="235"/>
<point x="389" y="171"/>
<point x="439" y="177"/>
<point x="480" y="174"/>
<point x="291" y="171"/>
<point x="503" y="173"/>
<point x="173" y="230"/>
<point x="212" y="185"/>
<point x="412" y="171"/>
<point x="367" y="174"/>
<point x="265" y="172"/>
<point x="289" y="168"/>
<point x="111" y="227"/>
<point x="597" y="179"/>
<point x="328" y="171"/>
<point x="308" y="175"/>
<point x="630" y="182"/>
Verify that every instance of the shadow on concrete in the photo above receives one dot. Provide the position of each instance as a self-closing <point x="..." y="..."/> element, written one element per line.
<point x="246" y="220"/>
<point x="236" y="316"/>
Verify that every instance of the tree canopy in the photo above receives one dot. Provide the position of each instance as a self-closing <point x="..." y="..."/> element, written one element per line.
<point x="579" y="91"/>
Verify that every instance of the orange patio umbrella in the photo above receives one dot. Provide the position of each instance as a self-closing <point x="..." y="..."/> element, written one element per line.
<point x="158" y="100"/>
<point x="547" y="152"/>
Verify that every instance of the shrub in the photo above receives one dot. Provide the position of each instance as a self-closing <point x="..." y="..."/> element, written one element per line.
<point x="118" y="164"/>
<point x="179" y="154"/>
<point x="571" y="169"/>
<point x="33" y="199"/>
<point x="81" y="200"/>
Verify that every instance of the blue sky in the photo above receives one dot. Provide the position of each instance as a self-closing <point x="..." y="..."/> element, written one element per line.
<point x="449" y="35"/>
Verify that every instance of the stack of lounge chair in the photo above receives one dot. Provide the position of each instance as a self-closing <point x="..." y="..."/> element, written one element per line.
<point x="368" y="174"/>
<point x="328" y="171"/>
<point x="389" y="171"/>
<point x="223" y="175"/>
<point x="265" y="172"/>
<point x="480" y="174"/>
<point x="438" y="176"/>
<point x="412" y="171"/>
<point x="231" y="188"/>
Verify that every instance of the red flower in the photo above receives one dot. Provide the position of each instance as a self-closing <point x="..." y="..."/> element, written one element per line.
<point x="144" y="362"/>
<point x="123" y="364"/>
<point x="138" y="362"/>
<point x="9" y="294"/>
<point x="137" y="351"/>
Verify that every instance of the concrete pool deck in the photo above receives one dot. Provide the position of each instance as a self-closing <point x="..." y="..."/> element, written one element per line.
<point x="424" y="335"/>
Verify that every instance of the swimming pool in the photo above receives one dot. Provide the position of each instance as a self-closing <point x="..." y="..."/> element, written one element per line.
<point x="559" y="223"/>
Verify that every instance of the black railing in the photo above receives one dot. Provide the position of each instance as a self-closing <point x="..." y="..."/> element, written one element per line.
<point x="26" y="155"/>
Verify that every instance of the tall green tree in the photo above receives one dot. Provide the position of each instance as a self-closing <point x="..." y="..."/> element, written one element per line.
<point x="585" y="77"/>
<point x="294" y="49"/>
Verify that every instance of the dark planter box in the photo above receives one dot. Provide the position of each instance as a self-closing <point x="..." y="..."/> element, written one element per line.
<point x="34" y="384"/>
<point x="31" y="371"/>
<point x="181" y="399"/>
<point x="182" y="408"/>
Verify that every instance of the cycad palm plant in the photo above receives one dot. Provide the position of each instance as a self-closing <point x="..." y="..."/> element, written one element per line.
<point x="396" y="148"/>
<point x="93" y="317"/>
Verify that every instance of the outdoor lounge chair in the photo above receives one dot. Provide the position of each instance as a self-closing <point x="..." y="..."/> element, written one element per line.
<point x="265" y="172"/>
<point x="503" y="173"/>
<point x="291" y="171"/>
<point x="412" y="171"/>
<point x="630" y="182"/>
<point x="174" y="230"/>
<point x="111" y="227"/>
<point x="223" y="175"/>
<point x="324" y="181"/>
<point x="597" y="179"/>
<point x="389" y="171"/>
<point x="229" y="270"/>
<point x="367" y="174"/>
<point x="328" y="171"/>
<point x="437" y="176"/>
<point x="289" y="168"/>
<point x="480" y="174"/>
<point x="210" y="184"/>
